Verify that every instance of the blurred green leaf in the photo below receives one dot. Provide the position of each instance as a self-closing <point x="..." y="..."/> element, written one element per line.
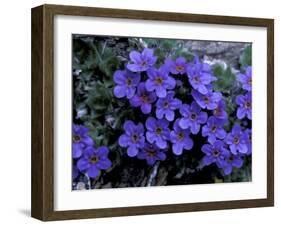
<point x="225" y="79"/>
<point x="246" y="57"/>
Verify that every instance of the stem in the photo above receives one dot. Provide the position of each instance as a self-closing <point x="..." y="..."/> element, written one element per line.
<point x="103" y="48"/>
<point x="89" y="181"/>
<point x="153" y="174"/>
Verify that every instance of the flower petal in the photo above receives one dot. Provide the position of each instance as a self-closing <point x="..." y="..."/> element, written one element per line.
<point x="104" y="164"/>
<point x="177" y="148"/>
<point x="76" y="150"/>
<point x="135" y="57"/>
<point x="93" y="171"/>
<point x="119" y="77"/>
<point x="83" y="164"/>
<point x="119" y="91"/>
<point x="124" y="140"/>
<point x="146" y="108"/>
<point x="170" y="115"/>
<point x="132" y="151"/>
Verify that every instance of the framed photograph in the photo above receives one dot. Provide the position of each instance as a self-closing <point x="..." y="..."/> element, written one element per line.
<point x="141" y="112"/>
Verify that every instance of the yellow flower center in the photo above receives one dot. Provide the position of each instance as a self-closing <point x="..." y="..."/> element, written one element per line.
<point x="166" y="104"/>
<point x="135" y="138"/>
<point x="236" y="140"/>
<point x="144" y="98"/>
<point x="151" y="152"/>
<point x="247" y="105"/>
<point x="76" y="138"/>
<point x="214" y="128"/>
<point x="143" y="63"/>
<point x="193" y="116"/>
<point x="216" y="153"/>
<point x="179" y="68"/>
<point x="94" y="159"/>
<point x="196" y="78"/>
<point x="206" y="100"/>
<point x="128" y="81"/>
<point x="250" y="81"/>
<point x="158" y="80"/>
<point x="180" y="136"/>
<point x="158" y="130"/>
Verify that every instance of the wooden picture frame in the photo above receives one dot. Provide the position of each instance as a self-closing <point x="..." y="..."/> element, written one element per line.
<point x="43" y="112"/>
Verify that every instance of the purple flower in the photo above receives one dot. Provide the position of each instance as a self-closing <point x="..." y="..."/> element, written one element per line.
<point x="215" y="153"/>
<point x="94" y="160"/>
<point x="178" y="66"/>
<point x="141" y="61"/>
<point x="213" y="129"/>
<point x="126" y="83"/>
<point x="159" y="80"/>
<point x="143" y="99"/>
<point x="180" y="139"/>
<point x="209" y="100"/>
<point x="133" y="138"/>
<point x="166" y="106"/>
<point x="200" y="75"/>
<point x="230" y="162"/>
<point x="248" y="140"/>
<point x="192" y="117"/>
<point x="236" y="140"/>
<point x="151" y="153"/>
<point x="245" y="106"/>
<point x="219" y="112"/>
<point x="80" y="140"/>
<point x="246" y="79"/>
<point x="157" y="131"/>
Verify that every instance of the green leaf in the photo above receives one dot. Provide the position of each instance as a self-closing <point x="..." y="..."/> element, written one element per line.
<point x="160" y="56"/>
<point x="99" y="99"/>
<point x="246" y="57"/>
<point x="168" y="44"/>
<point x="225" y="79"/>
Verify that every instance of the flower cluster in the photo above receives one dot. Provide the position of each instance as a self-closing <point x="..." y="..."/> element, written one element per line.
<point x="88" y="158"/>
<point x="170" y="121"/>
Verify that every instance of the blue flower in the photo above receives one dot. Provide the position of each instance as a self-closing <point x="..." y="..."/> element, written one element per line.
<point x="133" y="138"/>
<point x="143" y="99"/>
<point x="230" y="162"/>
<point x="248" y="140"/>
<point x="141" y="61"/>
<point x="192" y="118"/>
<point x="209" y="100"/>
<point x="160" y="81"/>
<point x="236" y="140"/>
<point x="245" y="106"/>
<point x="178" y="66"/>
<point x="157" y="131"/>
<point x="80" y="140"/>
<point x="215" y="153"/>
<point x="93" y="160"/>
<point x="126" y="83"/>
<point x="213" y="129"/>
<point x="200" y="75"/>
<point x="180" y="139"/>
<point x="166" y="106"/>
<point x="219" y="112"/>
<point x="246" y="79"/>
<point x="151" y="153"/>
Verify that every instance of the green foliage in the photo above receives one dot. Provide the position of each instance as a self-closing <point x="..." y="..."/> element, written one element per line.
<point x="168" y="48"/>
<point x="225" y="78"/>
<point x="99" y="99"/>
<point x="246" y="57"/>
